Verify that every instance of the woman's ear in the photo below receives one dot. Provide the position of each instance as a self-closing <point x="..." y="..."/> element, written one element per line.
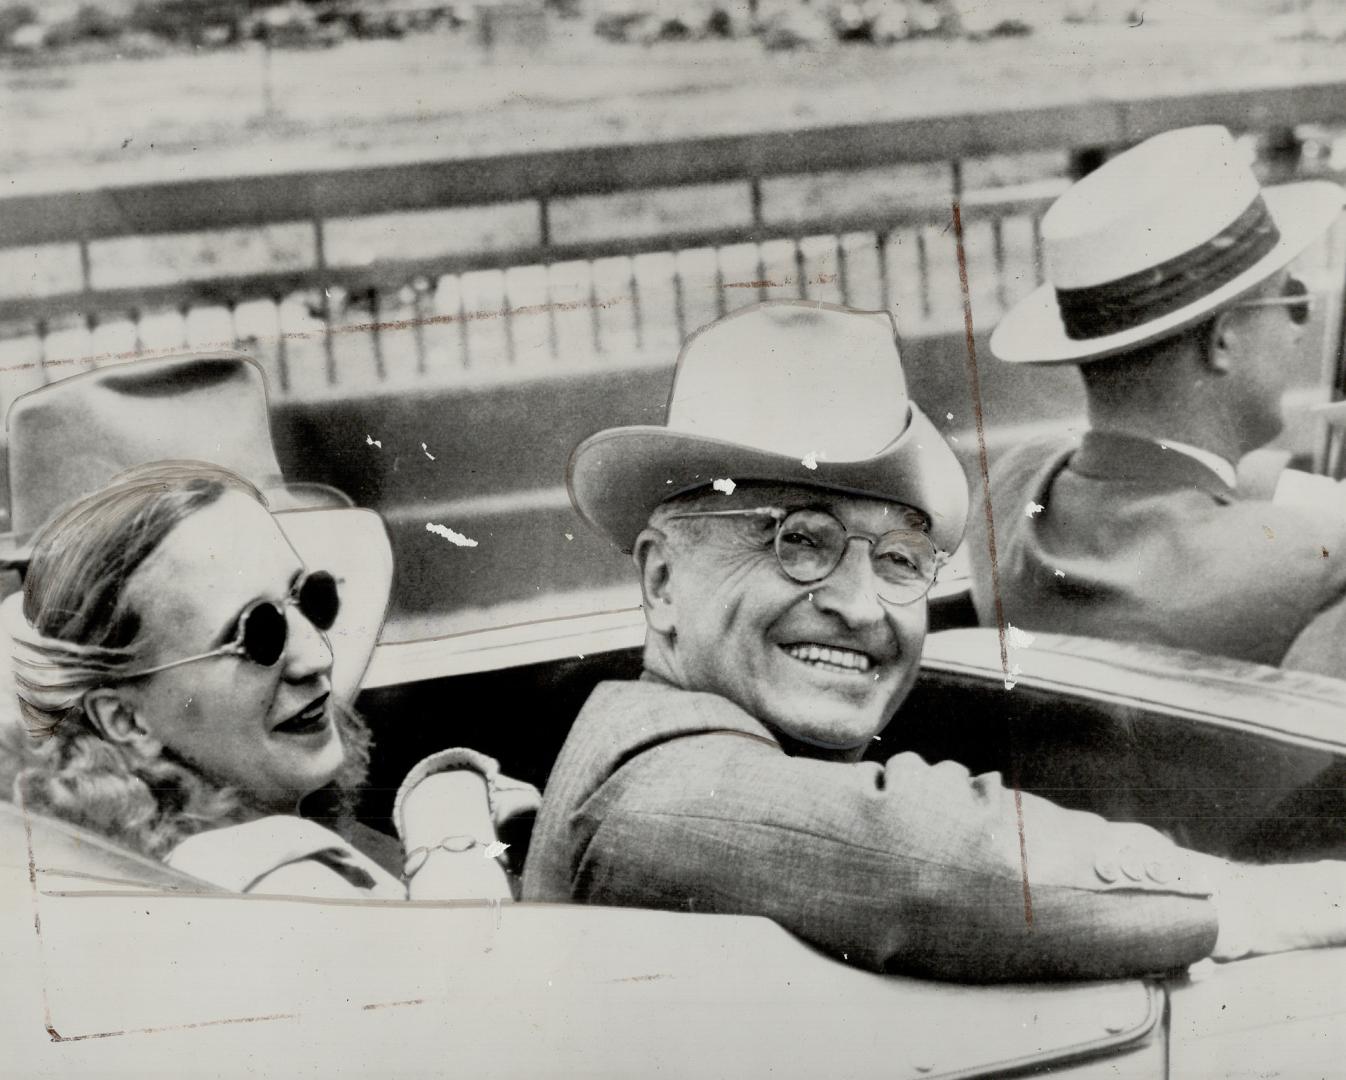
<point x="114" y="717"/>
<point x="652" y="556"/>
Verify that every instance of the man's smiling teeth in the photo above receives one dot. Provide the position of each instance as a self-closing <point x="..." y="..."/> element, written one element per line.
<point x="826" y="654"/>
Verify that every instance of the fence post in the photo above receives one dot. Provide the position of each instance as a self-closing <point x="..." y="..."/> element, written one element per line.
<point x="320" y="260"/>
<point x="755" y="195"/>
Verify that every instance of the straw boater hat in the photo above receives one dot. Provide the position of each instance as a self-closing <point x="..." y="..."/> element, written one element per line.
<point x="1156" y="240"/>
<point x="786" y="391"/>
<point x="69" y="439"/>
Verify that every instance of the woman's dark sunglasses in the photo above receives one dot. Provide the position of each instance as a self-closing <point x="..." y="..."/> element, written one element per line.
<point x="264" y="629"/>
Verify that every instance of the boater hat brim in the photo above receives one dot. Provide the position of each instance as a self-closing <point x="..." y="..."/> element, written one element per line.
<point x="1033" y="332"/>
<point x="617" y="477"/>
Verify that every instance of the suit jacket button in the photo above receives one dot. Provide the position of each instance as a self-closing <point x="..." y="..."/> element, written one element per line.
<point x="1161" y="873"/>
<point x="1106" y="870"/>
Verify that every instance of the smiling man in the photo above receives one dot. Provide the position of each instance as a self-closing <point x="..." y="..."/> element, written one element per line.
<point x="785" y="625"/>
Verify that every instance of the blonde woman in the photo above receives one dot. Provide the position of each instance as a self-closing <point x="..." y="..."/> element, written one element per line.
<point x="174" y="676"/>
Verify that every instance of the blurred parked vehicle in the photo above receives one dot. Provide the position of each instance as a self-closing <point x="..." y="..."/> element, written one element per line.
<point x="198" y="22"/>
<point x="296" y="25"/>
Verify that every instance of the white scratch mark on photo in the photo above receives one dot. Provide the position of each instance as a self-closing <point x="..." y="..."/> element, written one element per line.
<point x="449" y="534"/>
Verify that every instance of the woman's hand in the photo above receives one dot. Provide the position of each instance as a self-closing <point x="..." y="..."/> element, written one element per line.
<point x="447" y="817"/>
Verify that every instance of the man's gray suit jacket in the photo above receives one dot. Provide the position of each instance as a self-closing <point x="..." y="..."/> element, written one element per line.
<point x="1136" y="542"/>
<point x="671" y="799"/>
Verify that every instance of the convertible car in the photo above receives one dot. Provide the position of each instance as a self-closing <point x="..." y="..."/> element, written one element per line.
<point x="115" y="965"/>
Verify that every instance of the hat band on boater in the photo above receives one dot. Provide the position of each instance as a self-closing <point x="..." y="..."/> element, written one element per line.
<point x="1126" y="303"/>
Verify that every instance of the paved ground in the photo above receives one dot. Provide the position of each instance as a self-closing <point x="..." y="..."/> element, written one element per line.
<point x="437" y="95"/>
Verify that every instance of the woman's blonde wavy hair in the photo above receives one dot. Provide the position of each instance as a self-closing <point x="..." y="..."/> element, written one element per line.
<point x="57" y="762"/>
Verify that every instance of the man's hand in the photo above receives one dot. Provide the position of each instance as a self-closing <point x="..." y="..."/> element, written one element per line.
<point x="1270" y="909"/>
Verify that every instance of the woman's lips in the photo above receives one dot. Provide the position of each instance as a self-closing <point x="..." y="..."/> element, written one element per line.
<point x="308" y="720"/>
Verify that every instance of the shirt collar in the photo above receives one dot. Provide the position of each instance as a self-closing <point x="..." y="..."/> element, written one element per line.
<point x="1137" y="459"/>
<point x="1214" y="462"/>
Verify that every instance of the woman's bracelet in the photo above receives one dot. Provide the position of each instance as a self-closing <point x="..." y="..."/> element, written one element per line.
<point x="418" y="857"/>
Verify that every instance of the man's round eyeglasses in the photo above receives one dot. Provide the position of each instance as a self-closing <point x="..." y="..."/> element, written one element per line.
<point x="1295" y="297"/>
<point x="264" y="627"/>
<point x="810" y="544"/>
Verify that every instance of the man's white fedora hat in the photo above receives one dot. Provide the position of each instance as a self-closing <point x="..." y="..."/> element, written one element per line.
<point x="1155" y="240"/>
<point x="785" y="391"/>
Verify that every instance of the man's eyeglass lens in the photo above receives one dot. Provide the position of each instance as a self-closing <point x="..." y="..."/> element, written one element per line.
<point x="1295" y="297"/>
<point x="810" y="544"/>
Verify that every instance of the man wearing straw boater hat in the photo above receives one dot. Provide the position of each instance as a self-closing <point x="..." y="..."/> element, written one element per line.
<point x="786" y="524"/>
<point x="1167" y="286"/>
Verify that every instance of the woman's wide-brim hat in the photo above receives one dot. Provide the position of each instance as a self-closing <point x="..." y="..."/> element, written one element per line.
<point x="68" y="439"/>
<point x="1156" y="240"/>
<point x="787" y="392"/>
<point x="71" y="438"/>
<point x="352" y="545"/>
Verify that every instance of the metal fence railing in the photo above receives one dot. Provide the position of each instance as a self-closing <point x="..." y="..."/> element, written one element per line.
<point x="383" y="277"/>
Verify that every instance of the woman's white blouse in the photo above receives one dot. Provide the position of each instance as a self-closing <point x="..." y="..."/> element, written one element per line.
<point x="286" y="855"/>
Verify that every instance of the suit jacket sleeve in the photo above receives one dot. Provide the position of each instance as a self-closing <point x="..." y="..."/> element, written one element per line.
<point x="904" y="866"/>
